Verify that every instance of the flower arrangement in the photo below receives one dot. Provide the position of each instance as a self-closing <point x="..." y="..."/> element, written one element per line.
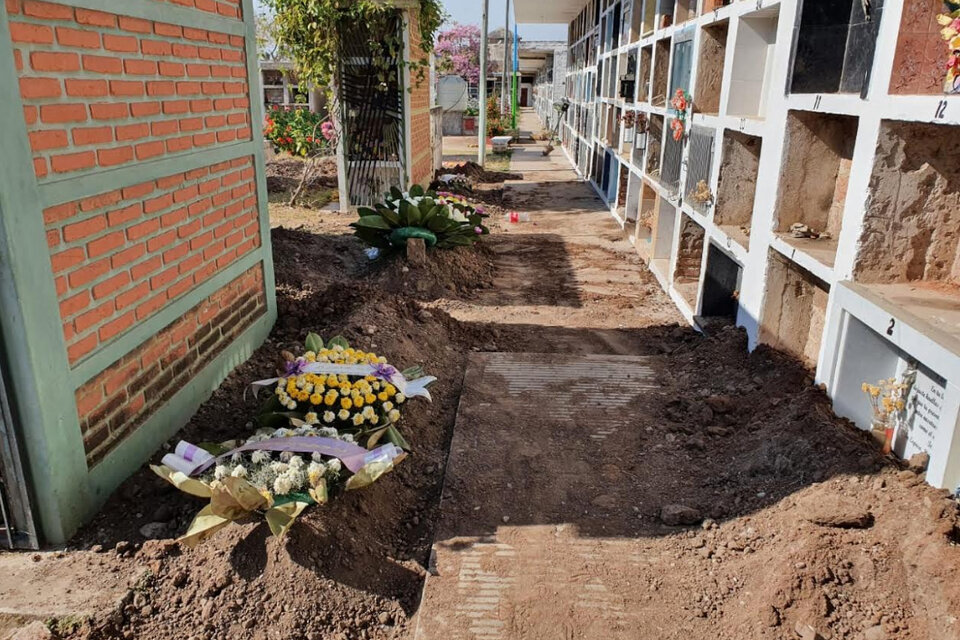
<point x="298" y="131"/>
<point x="628" y="119"/>
<point x="680" y="101"/>
<point x="330" y="425"/>
<point x="888" y="401"/>
<point x="950" y="33"/>
<point x="441" y="219"/>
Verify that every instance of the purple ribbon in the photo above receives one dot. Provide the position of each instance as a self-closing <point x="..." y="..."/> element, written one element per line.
<point x="383" y="371"/>
<point x="353" y="457"/>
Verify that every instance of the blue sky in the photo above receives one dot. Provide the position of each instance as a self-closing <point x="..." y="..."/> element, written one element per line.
<point x="471" y="12"/>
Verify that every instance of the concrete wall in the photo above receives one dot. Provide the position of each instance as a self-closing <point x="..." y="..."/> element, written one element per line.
<point x="135" y="237"/>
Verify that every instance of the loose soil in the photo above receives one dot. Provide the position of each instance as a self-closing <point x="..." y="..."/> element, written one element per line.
<point x="744" y="439"/>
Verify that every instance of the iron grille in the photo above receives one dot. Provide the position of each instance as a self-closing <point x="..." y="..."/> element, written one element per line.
<point x="17" y="531"/>
<point x="371" y="104"/>
<point x="699" y="163"/>
<point x="672" y="157"/>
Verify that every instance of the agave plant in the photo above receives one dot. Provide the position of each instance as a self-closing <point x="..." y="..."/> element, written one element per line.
<point x="440" y="219"/>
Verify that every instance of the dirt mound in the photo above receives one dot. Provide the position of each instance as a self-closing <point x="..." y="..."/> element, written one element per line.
<point x="284" y="173"/>
<point x="478" y="175"/>
<point x="741" y="438"/>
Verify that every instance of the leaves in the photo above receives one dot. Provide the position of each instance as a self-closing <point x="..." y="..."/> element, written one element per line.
<point x="338" y="341"/>
<point x="313" y="342"/>
<point x="372" y="222"/>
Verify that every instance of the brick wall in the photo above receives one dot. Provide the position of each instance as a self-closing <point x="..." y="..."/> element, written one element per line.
<point x="121" y="256"/>
<point x="140" y="135"/>
<point x="117" y="401"/>
<point x="101" y="90"/>
<point x="422" y="151"/>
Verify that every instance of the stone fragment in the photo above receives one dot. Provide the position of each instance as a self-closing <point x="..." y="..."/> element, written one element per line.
<point x="416" y="251"/>
<point x="918" y="462"/>
<point x="678" y="515"/>
<point x="835" y="511"/>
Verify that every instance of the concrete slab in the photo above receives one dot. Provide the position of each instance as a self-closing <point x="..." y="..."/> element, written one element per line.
<point x="536" y="537"/>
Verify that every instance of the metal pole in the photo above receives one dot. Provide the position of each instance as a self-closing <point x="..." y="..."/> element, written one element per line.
<point x="506" y="59"/>
<point x="482" y="147"/>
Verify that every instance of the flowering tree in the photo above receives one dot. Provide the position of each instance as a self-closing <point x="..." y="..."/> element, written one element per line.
<point x="458" y="51"/>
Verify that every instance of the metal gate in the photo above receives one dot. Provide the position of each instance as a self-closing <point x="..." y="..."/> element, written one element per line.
<point x="371" y="107"/>
<point x="699" y="165"/>
<point x="17" y="531"/>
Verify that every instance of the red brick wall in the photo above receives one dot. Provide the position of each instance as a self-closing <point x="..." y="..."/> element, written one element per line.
<point x="422" y="154"/>
<point x="117" y="401"/>
<point x="101" y="90"/>
<point x="121" y="256"/>
<point x="112" y="99"/>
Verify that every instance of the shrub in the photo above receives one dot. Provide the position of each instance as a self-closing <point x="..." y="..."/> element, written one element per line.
<point x="299" y="132"/>
<point x="441" y="219"/>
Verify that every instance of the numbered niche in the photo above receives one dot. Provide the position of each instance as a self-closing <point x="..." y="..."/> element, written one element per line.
<point x="834" y="46"/>
<point x="661" y="68"/>
<point x="753" y="63"/>
<point x="737" y="186"/>
<point x="686" y="274"/>
<point x="794" y="309"/>
<point x="813" y="183"/>
<point x="720" y="300"/>
<point x="910" y="230"/>
<point x="710" y="60"/>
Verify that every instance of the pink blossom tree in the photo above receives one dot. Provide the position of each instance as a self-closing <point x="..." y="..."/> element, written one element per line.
<point x="458" y="51"/>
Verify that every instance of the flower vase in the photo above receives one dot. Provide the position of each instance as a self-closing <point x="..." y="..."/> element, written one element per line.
<point x="879" y="432"/>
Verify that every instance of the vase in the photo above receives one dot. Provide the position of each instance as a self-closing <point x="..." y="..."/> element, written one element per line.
<point x="883" y="434"/>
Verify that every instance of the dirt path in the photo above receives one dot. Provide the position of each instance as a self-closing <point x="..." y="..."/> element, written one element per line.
<point x="809" y="525"/>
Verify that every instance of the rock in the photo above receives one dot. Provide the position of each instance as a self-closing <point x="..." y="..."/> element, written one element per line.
<point x="918" y="462"/>
<point x="33" y="631"/>
<point x="835" y="511"/>
<point x="384" y="618"/>
<point x="416" y="251"/>
<point x="718" y="431"/>
<point x="875" y="632"/>
<point x="154" y="530"/>
<point x="807" y="632"/>
<point x="678" y="515"/>
<point x="163" y="514"/>
<point x="770" y="616"/>
<point x="720" y="404"/>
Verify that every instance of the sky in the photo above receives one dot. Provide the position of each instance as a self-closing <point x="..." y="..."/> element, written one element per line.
<point x="471" y="12"/>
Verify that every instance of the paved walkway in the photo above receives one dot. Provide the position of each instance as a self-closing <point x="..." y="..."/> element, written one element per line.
<point x="534" y="540"/>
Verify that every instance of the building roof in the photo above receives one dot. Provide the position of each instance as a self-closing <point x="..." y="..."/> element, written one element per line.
<point x="552" y="12"/>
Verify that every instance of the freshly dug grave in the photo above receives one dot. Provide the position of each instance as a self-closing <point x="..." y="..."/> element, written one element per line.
<point x="285" y="172"/>
<point x="761" y="453"/>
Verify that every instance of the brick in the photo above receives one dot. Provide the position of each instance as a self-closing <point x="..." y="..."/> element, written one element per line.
<point x="73" y="162"/>
<point x="30" y="114"/>
<point x="156" y="48"/>
<point x="118" y="326"/>
<point x="54" y="61"/>
<point x="142" y="109"/>
<point x="88" y="398"/>
<point x="188" y="88"/>
<point x="150" y="306"/>
<point x="179" y="144"/>
<point x="160" y="88"/>
<point x="96" y="18"/>
<point x="185" y="51"/>
<point x="174" y="107"/>
<point x="109" y="111"/>
<point x="113" y="157"/>
<point x="80" y="230"/>
<point x="66" y="259"/>
<point x="68" y="37"/>
<point x="100" y="201"/>
<point x="85" y="88"/>
<point x="102" y="64"/>
<point x="93" y="317"/>
<point x="137" y="190"/>
<point x="140" y="67"/>
<point x="120" y="44"/>
<point x="132" y="296"/>
<point x="158" y="242"/>
<point x="119" y="376"/>
<point x="135" y="24"/>
<point x="164" y="129"/>
<point x="208" y="53"/>
<point x="106" y="244"/>
<point x="57" y="113"/>
<point x="204" y="139"/>
<point x="132" y="131"/>
<point x="148" y="150"/>
<point x="87" y="273"/>
<point x="92" y="135"/>
<point x="172" y="69"/>
<point x="198" y="70"/>
<point x="156" y="204"/>
<point x="128" y="255"/>
<point x="59" y="213"/>
<point x="44" y="140"/>
<point x="31" y="33"/>
<point x="163" y="278"/>
<point x="180" y="287"/>
<point x="191" y="263"/>
<point x="176" y="253"/>
<point x="53" y="238"/>
<point x="79" y="349"/>
<point x="126" y="88"/>
<point x="47" y="10"/>
<point x="162" y="29"/>
<point x="143" y="229"/>
<point x="33" y="88"/>
<point x="110" y="285"/>
<point x="191" y="124"/>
